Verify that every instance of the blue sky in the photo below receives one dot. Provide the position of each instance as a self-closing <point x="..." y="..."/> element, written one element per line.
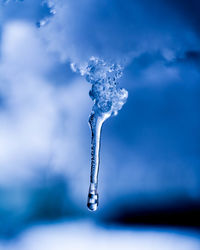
<point x="152" y="147"/>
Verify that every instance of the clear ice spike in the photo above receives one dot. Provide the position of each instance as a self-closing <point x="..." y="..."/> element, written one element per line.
<point x="108" y="99"/>
<point x="95" y="121"/>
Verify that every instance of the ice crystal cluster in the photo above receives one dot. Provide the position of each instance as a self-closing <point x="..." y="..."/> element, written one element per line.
<point x="107" y="96"/>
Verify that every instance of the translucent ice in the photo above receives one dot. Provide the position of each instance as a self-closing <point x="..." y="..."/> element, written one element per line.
<point x="108" y="100"/>
<point x="105" y="93"/>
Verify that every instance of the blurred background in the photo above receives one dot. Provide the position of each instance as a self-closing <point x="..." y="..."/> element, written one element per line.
<point x="149" y="180"/>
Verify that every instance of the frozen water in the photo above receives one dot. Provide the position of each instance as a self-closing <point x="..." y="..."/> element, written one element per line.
<point x="105" y="93"/>
<point x="108" y="100"/>
<point x="96" y="121"/>
<point x="51" y="12"/>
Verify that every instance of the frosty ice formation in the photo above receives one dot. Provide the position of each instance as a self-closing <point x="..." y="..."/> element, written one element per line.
<point x="108" y="100"/>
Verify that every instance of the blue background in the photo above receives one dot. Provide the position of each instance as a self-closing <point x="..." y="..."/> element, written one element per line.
<point x="150" y="154"/>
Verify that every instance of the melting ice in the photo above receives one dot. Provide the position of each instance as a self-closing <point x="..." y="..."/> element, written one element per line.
<point x="108" y="100"/>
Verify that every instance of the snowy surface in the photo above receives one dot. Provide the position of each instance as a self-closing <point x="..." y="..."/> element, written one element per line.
<point x="87" y="236"/>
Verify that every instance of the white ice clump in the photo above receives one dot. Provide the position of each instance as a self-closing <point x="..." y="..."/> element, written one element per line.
<point x="107" y="96"/>
<point x="52" y="11"/>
